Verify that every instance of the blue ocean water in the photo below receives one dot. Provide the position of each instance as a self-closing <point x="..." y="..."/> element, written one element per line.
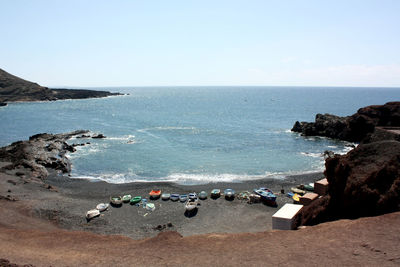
<point x="193" y="135"/>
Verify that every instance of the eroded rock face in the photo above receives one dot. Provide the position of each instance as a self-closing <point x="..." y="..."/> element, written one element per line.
<point x="39" y="153"/>
<point x="364" y="182"/>
<point x="353" y="128"/>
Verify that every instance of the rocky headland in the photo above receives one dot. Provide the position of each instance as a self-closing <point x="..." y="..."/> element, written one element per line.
<point x="354" y="128"/>
<point x="365" y="181"/>
<point x="13" y="88"/>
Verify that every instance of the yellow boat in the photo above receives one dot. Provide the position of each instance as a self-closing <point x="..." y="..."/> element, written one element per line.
<point x="296" y="197"/>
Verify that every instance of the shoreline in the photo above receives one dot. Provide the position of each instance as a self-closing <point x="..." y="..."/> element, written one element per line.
<point x="213" y="216"/>
<point x="64" y="201"/>
<point x="272" y="177"/>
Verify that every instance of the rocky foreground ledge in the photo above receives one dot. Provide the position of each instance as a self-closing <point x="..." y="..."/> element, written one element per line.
<point x="365" y="181"/>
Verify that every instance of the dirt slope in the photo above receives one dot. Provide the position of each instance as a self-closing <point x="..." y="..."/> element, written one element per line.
<point x="368" y="241"/>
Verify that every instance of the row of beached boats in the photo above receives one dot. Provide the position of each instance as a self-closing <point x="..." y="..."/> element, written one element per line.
<point x="191" y="200"/>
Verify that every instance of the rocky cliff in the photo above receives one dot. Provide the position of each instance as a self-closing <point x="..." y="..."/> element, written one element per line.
<point x="365" y="181"/>
<point x="352" y="128"/>
<point x="13" y="88"/>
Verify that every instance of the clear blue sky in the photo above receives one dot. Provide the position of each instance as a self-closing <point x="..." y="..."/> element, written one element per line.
<point x="136" y="43"/>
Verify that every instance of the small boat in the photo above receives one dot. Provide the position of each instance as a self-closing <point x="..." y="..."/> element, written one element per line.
<point x="191" y="204"/>
<point x="266" y="194"/>
<point x="135" y="200"/>
<point x="183" y="198"/>
<point x="296" y="197"/>
<point x="174" y="197"/>
<point x="254" y="198"/>
<point x="298" y="191"/>
<point x="229" y="193"/>
<point x="216" y="193"/>
<point x="154" y="194"/>
<point x="126" y="198"/>
<point x="92" y="213"/>
<point x="102" y="206"/>
<point x="192" y="195"/>
<point x="150" y="207"/>
<point x="203" y="195"/>
<point x="165" y="196"/>
<point x="290" y="195"/>
<point x="309" y="187"/>
<point x="116" y="200"/>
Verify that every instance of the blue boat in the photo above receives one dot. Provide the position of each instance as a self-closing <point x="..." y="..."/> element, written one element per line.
<point x="183" y="198"/>
<point x="266" y="194"/>
<point x="174" y="197"/>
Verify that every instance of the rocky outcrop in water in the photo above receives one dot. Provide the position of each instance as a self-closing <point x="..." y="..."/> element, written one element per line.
<point x="352" y="128"/>
<point x="13" y="88"/>
<point x="41" y="152"/>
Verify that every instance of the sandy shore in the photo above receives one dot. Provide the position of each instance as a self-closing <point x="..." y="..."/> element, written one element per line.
<point x="65" y="201"/>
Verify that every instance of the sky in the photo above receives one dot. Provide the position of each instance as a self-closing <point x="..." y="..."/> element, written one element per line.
<point x="165" y="43"/>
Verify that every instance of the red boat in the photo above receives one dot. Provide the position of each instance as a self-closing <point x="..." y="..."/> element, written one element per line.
<point x="155" y="194"/>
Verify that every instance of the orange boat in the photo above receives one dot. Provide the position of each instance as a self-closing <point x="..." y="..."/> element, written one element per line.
<point x="155" y="194"/>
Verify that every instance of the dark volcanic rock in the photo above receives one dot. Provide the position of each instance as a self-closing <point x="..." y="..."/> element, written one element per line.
<point x="99" y="136"/>
<point x="324" y="125"/>
<point x="353" y="128"/>
<point x="80" y="93"/>
<point x="364" y="182"/>
<point x="39" y="153"/>
<point x="13" y="88"/>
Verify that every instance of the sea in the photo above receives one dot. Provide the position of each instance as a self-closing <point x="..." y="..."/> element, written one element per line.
<point x="193" y="135"/>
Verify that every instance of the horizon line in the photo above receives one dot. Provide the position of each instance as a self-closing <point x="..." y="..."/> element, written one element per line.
<point x="299" y="86"/>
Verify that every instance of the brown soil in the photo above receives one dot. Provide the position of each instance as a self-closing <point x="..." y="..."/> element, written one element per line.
<point x="364" y="242"/>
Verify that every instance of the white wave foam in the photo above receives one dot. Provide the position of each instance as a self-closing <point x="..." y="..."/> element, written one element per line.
<point x="130" y="139"/>
<point x="313" y="155"/>
<point x="189" y="179"/>
<point x="82" y="151"/>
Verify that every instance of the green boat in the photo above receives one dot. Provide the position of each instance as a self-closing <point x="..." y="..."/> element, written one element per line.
<point x="308" y="187"/>
<point x="126" y="198"/>
<point x="135" y="200"/>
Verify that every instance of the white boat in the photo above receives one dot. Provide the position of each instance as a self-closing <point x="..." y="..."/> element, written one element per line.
<point x="116" y="200"/>
<point x="102" y="206"/>
<point x="174" y="197"/>
<point x="165" y="196"/>
<point x="203" y="195"/>
<point x="183" y="197"/>
<point x="191" y="204"/>
<point x="126" y="198"/>
<point x="192" y="195"/>
<point x="92" y="213"/>
<point x="150" y="207"/>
